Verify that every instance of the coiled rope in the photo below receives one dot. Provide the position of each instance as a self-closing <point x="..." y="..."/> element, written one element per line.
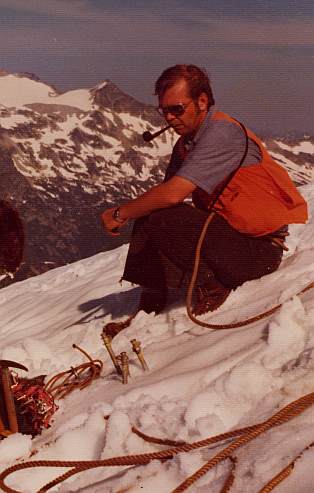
<point x="77" y="377"/>
<point x="245" y="436"/>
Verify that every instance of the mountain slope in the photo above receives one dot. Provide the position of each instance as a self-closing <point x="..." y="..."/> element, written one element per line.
<point x="200" y="382"/>
<point x="65" y="157"/>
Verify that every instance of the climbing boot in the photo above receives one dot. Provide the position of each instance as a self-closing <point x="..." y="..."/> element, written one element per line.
<point x="152" y="300"/>
<point x="210" y="296"/>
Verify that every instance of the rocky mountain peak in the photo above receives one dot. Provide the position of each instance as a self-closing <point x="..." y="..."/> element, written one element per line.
<point x="65" y="157"/>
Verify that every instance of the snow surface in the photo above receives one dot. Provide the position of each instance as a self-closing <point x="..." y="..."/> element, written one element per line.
<point x="306" y="171"/>
<point x="19" y="91"/>
<point x="201" y="382"/>
<point x="303" y="146"/>
<point x="79" y="98"/>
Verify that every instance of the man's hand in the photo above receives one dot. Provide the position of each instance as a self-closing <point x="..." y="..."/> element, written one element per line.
<point x="110" y="225"/>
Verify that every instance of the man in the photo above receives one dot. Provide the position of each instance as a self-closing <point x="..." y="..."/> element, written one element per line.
<point x="245" y="238"/>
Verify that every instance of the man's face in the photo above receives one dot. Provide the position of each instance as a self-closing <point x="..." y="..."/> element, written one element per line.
<point x="194" y="110"/>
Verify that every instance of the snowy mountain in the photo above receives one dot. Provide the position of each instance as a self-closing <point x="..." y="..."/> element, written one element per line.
<point x="200" y="382"/>
<point x="64" y="157"/>
<point x="296" y="155"/>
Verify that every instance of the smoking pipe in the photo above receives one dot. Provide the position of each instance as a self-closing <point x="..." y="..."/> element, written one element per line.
<point x="148" y="136"/>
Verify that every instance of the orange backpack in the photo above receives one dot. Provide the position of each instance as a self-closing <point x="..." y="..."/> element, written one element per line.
<point x="260" y="198"/>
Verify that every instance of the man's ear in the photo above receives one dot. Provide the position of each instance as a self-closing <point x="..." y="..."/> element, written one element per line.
<point x="203" y="101"/>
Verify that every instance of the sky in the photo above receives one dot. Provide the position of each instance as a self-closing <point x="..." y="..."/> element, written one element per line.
<point x="259" y="55"/>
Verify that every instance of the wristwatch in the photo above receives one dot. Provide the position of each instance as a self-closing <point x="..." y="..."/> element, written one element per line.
<point x="116" y="216"/>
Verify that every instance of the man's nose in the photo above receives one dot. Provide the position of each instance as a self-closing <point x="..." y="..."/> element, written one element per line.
<point x="169" y="117"/>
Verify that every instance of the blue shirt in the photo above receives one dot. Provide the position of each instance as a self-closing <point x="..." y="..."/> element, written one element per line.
<point x="215" y="151"/>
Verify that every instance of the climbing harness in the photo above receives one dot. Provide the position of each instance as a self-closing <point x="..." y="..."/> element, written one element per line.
<point x="35" y="406"/>
<point x="30" y="403"/>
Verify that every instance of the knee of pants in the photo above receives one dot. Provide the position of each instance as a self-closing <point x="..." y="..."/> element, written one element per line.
<point x="169" y="216"/>
<point x="157" y="220"/>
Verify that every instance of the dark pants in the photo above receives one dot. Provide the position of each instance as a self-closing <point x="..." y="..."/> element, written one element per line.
<point x="162" y="250"/>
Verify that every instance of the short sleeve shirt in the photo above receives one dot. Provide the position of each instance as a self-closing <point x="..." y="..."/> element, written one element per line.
<point x="215" y="151"/>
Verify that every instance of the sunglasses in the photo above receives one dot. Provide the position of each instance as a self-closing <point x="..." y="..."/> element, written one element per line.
<point x="175" y="109"/>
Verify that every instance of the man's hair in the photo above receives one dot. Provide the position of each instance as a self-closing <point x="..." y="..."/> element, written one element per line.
<point x="197" y="80"/>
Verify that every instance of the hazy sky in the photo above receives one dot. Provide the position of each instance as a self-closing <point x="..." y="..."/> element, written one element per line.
<point x="259" y="54"/>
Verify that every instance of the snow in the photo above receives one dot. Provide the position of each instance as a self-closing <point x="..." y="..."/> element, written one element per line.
<point x="112" y="141"/>
<point x="133" y="122"/>
<point x="108" y="114"/>
<point x="200" y="382"/>
<point x="14" y="447"/>
<point x="50" y="136"/>
<point x="12" y="120"/>
<point x="102" y="85"/>
<point x="127" y="133"/>
<point x="283" y="159"/>
<point x="127" y="170"/>
<point x="305" y="146"/>
<point x="79" y="98"/>
<point x="18" y="91"/>
<point x="294" y="169"/>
